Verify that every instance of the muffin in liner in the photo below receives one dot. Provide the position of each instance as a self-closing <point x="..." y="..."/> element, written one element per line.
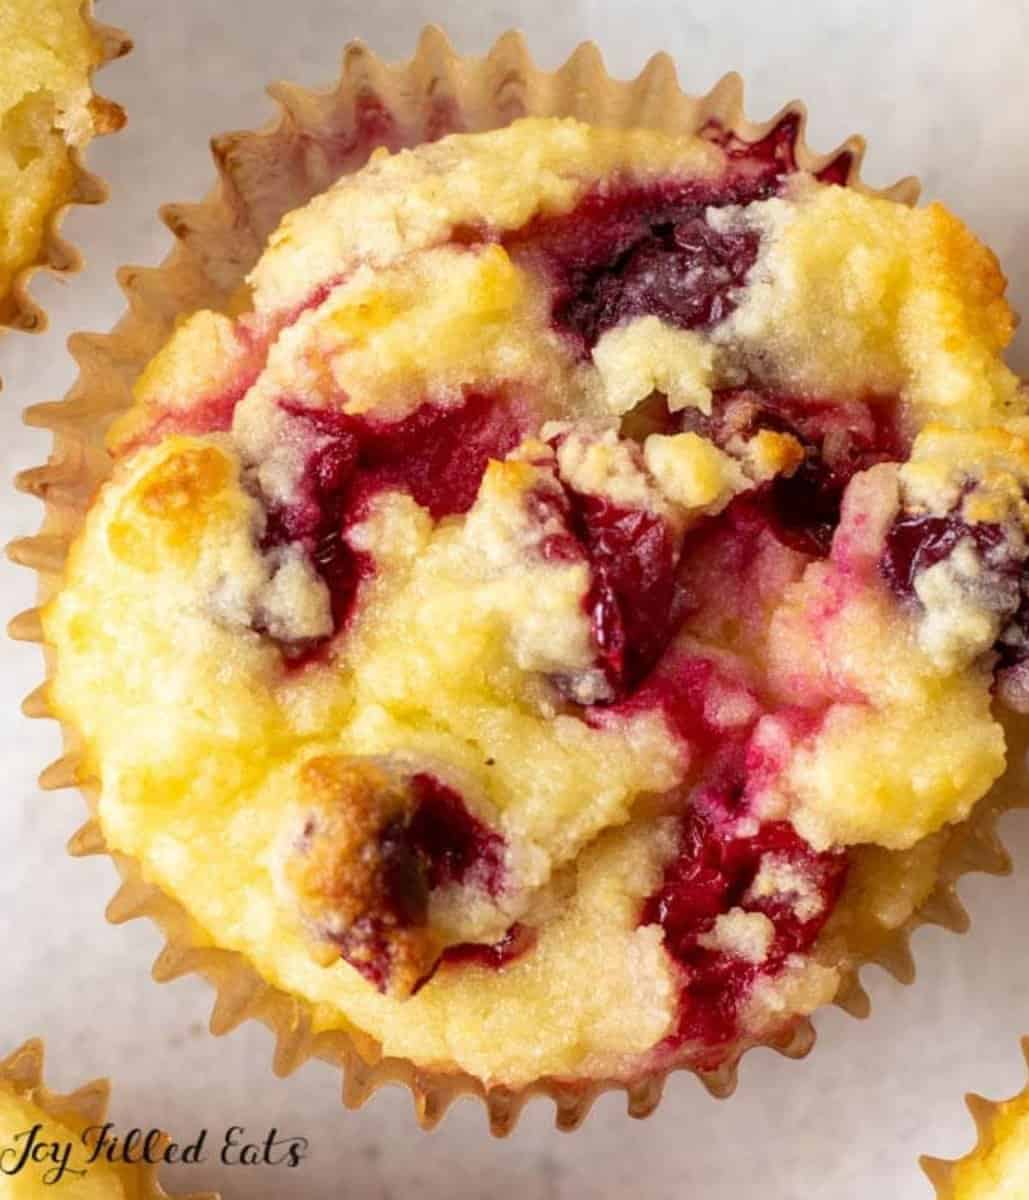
<point x="21" y="1075"/>
<point x="18" y="310"/>
<point x="955" y="1179"/>
<point x="318" y="137"/>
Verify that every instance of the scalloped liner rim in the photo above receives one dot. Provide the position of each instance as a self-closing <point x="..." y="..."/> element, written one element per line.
<point x="22" y="1073"/>
<point x="107" y="364"/>
<point x="940" y="1171"/>
<point x="56" y="254"/>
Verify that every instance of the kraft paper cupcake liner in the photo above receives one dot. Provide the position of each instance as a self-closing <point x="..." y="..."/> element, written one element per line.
<point x="318" y="136"/>
<point x="18" y="310"/>
<point x="985" y="1113"/>
<point x="21" y="1073"/>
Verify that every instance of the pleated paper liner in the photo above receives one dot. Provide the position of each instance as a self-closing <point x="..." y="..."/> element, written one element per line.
<point x="985" y="1113"/>
<point x="22" y="1074"/>
<point x="317" y="137"/>
<point x="18" y="310"/>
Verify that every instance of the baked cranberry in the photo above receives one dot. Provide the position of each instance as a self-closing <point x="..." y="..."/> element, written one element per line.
<point x="916" y="542"/>
<point x="438" y="844"/>
<point x="712" y="874"/>
<point x="681" y="271"/>
<point x="803" y="508"/>
<point x="455" y="846"/>
<point x="632" y="250"/>
<point x="634" y="602"/>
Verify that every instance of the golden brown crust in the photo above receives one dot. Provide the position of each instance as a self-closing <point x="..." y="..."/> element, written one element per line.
<point x="355" y="887"/>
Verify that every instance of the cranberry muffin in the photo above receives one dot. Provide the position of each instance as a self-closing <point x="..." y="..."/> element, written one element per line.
<point x="571" y="603"/>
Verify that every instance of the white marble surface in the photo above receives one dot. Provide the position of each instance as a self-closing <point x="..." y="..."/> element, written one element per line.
<point x="941" y="91"/>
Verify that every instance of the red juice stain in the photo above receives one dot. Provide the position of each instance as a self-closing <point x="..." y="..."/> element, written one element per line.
<point x="679" y="689"/>
<point x="776" y="152"/>
<point x="714" y="866"/>
<point x="712" y="874"/>
<point x="518" y="940"/>
<point x="210" y="414"/>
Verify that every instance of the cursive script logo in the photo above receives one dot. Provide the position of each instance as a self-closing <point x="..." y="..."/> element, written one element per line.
<point x="100" y="1143"/>
<point x="34" y="1148"/>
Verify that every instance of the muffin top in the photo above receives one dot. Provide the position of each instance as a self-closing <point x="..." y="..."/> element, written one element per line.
<point x="574" y="593"/>
<point x="47" y="53"/>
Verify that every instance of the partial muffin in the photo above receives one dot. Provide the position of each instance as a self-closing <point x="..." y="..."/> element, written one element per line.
<point x="998" y="1168"/>
<point x="559" y="623"/>
<point x="60" y="1131"/>
<point x="48" y="113"/>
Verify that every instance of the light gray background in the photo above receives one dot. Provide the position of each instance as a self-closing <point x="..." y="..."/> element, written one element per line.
<point x="941" y="90"/>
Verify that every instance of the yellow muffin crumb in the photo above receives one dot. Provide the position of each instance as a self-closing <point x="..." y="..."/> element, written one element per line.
<point x="998" y="1168"/>
<point x="47" y="53"/>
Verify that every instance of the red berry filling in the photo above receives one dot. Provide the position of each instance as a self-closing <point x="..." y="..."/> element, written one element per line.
<point x="916" y="542"/>
<point x="454" y="846"/>
<point x="712" y="874"/>
<point x="437" y="454"/>
<point x="639" y="592"/>
<point x="803" y="508"/>
<point x="716" y="865"/>
<point x="635" y="602"/>
<point x="629" y="250"/>
<point x="638" y="251"/>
